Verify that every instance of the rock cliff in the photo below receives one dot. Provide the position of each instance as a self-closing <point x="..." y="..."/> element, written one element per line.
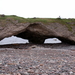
<point x="37" y="32"/>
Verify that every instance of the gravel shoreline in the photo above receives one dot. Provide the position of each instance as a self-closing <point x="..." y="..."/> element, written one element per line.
<point x="52" y="46"/>
<point x="37" y="60"/>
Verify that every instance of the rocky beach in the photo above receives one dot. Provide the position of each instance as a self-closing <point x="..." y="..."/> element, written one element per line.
<point x="35" y="59"/>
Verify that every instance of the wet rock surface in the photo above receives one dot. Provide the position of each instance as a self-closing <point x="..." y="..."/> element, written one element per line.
<point x="38" y="60"/>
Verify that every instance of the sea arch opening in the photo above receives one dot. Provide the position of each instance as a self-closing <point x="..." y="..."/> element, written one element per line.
<point x="52" y="41"/>
<point x="13" y="40"/>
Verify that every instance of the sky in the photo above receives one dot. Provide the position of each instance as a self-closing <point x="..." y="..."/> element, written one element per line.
<point x="38" y="8"/>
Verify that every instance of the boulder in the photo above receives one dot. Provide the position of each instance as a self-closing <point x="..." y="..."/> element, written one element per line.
<point x="37" y="32"/>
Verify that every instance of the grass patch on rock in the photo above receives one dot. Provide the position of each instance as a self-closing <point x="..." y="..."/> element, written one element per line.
<point x="46" y="21"/>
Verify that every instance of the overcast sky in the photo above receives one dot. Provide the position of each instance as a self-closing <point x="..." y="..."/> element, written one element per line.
<point x="38" y="8"/>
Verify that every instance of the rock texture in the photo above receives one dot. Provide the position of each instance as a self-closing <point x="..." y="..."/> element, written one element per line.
<point x="11" y="27"/>
<point x="37" y="61"/>
<point x="37" y="32"/>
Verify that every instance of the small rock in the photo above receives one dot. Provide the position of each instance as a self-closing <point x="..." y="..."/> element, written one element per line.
<point x="64" y="73"/>
<point x="0" y="63"/>
<point x="14" y="74"/>
<point x="52" y="61"/>
<point x="71" y="72"/>
<point x="26" y="68"/>
<point x="37" y="71"/>
<point x="33" y="46"/>
<point x="0" y="67"/>
<point x="18" y="74"/>
<point x="30" y="71"/>
<point x="41" y="64"/>
<point x="33" y="66"/>
<point x="6" y="65"/>
<point x="45" y="54"/>
<point x="8" y="74"/>
<point x="25" y="73"/>
<point x="44" y="74"/>
<point x="11" y="63"/>
<point x="19" y="67"/>
<point x="49" y="67"/>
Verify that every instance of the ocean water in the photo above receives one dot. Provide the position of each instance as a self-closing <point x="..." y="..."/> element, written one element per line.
<point x="14" y="40"/>
<point x="52" y="40"/>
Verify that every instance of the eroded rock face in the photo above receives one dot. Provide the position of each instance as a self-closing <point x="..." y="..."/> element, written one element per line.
<point x="11" y="27"/>
<point x="38" y="32"/>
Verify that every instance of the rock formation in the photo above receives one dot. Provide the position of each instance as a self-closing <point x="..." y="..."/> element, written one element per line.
<point x="37" y="32"/>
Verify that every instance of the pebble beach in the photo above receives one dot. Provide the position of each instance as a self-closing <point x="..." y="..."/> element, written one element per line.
<point x="31" y="59"/>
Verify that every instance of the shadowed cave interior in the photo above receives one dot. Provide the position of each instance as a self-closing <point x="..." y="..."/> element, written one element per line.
<point x="39" y="39"/>
<point x="34" y="33"/>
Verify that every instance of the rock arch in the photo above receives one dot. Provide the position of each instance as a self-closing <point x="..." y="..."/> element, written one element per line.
<point x="37" y="32"/>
